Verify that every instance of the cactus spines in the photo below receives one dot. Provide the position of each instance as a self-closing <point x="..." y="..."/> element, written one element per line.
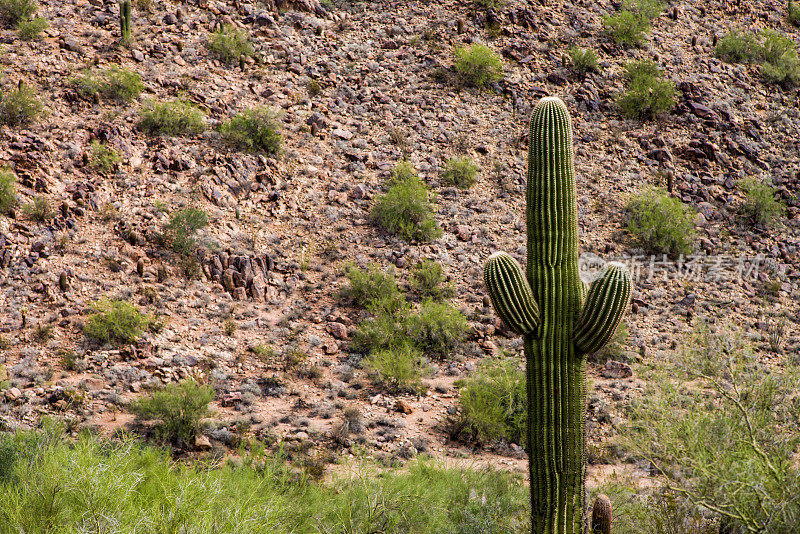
<point x="601" y="515"/>
<point x="560" y="319"/>
<point x="125" y="19"/>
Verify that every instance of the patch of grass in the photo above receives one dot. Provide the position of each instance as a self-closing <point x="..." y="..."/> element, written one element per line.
<point x="661" y="224"/>
<point x="429" y="281"/>
<point x="228" y="44"/>
<point x="776" y="53"/>
<point x="626" y="28"/>
<point x="404" y="210"/>
<point x="179" y="408"/>
<point x="793" y="13"/>
<point x="460" y="172"/>
<point x="115" y="321"/>
<point x="397" y="367"/>
<point x="104" y="158"/>
<point x="39" y="210"/>
<point x="28" y="30"/>
<point x="477" y="65"/>
<point x="647" y="9"/>
<point x="493" y="404"/>
<point x="648" y="93"/>
<point x="19" y="107"/>
<point x="172" y="118"/>
<point x="12" y="12"/>
<point x="8" y="191"/>
<point x="121" y="85"/>
<point x="584" y="61"/>
<point x="738" y="47"/>
<point x="254" y="129"/>
<point x="437" y="328"/>
<point x="179" y="233"/>
<point x="760" y="205"/>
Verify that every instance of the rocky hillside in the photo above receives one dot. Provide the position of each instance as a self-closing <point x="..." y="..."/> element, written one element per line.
<point x="357" y="87"/>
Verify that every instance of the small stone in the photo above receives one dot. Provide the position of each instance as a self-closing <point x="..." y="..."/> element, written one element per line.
<point x="337" y="330"/>
<point x="402" y="406"/>
<point x="202" y="443"/>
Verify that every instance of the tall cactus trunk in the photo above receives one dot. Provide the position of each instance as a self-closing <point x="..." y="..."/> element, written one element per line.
<point x="561" y="323"/>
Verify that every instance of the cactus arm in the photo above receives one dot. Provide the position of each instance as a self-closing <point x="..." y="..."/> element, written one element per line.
<point x="605" y="305"/>
<point x="511" y="294"/>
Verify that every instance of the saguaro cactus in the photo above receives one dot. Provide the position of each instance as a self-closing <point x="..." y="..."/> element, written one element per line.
<point x="125" y="19"/>
<point x="561" y="321"/>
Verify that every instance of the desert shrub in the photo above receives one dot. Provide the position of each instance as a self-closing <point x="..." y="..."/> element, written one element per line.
<point x="171" y="118"/>
<point x="121" y="84"/>
<point x="254" y="129"/>
<point x="493" y="404"/>
<point x="429" y="281"/>
<point x="13" y="12"/>
<point x="626" y="28"/>
<point x="179" y="408"/>
<point x="774" y="46"/>
<point x="115" y="321"/>
<point x="647" y="9"/>
<point x="489" y="4"/>
<point x="437" y="328"/>
<point x="477" y="65"/>
<point x="404" y="210"/>
<point x="784" y="71"/>
<point x="381" y="332"/>
<point x="584" y="61"/>
<point x="31" y="29"/>
<point x="660" y="224"/>
<point x="760" y="205"/>
<point x="366" y="287"/>
<point x="460" y="172"/>
<point x="397" y="367"/>
<point x="228" y="44"/>
<point x="647" y="93"/>
<point x="738" y="47"/>
<point x="179" y="232"/>
<point x="8" y="191"/>
<point x="104" y="158"/>
<point x="721" y="430"/>
<point x="793" y="13"/>
<point x="39" y="210"/>
<point x="19" y="107"/>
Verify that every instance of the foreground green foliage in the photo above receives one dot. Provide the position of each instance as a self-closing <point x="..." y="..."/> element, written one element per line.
<point x="404" y="210"/>
<point x="8" y="191"/>
<point x="115" y="321"/>
<point x="721" y="428"/>
<point x="13" y="12"/>
<point x="648" y="93"/>
<point x="178" y="408"/>
<point x="104" y="158"/>
<point x="776" y="53"/>
<point x="19" y="107"/>
<point x="254" y="129"/>
<point x="115" y="83"/>
<point x="172" y="118"/>
<point x="397" y="367"/>
<point x="370" y="286"/>
<point x="50" y="485"/>
<point x="179" y="232"/>
<point x="460" y="172"/>
<point x="584" y="61"/>
<point x="437" y="328"/>
<point x="661" y="224"/>
<point x="477" y="65"/>
<point x="228" y="44"/>
<point x="429" y="281"/>
<point x="760" y="205"/>
<point x="628" y="26"/>
<point x="29" y="30"/>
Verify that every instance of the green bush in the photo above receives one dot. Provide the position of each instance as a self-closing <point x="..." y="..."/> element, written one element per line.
<point x="383" y="331"/>
<point x="172" y="118"/>
<point x="104" y="158"/>
<point x="489" y="4"/>
<point x="774" y="46"/>
<point x="8" y="191"/>
<point x="179" y="408"/>
<point x="584" y="61"/>
<point x="661" y="224"/>
<point x="760" y="205"/>
<point x="121" y="84"/>
<point x="115" y="321"/>
<point x="647" y="9"/>
<point x="460" y="172"/>
<point x="647" y="94"/>
<point x="19" y="107"/>
<point x="254" y="129"/>
<point x="793" y="13"/>
<point x="31" y="29"/>
<point x="398" y="367"/>
<point x="785" y="71"/>
<point x="721" y="430"/>
<point x="477" y="65"/>
<point x="228" y="44"/>
<point x="12" y="12"/>
<point x="776" y="53"/>
<point x="429" y="281"/>
<point x="404" y="210"/>
<point x="370" y="285"/>
<point x="39" y="210"/>
<point x="61" y="485"/>
<point x="493" y="404"/>
<point x="626" y="28"/>
<point x="738" y="47"/>
<point x="437" y="328"/>
<point x="179" y="233"/>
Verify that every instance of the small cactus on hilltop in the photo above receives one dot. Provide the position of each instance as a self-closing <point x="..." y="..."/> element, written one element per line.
<point x="561" y="320"/>
<point x="125" y="19"/>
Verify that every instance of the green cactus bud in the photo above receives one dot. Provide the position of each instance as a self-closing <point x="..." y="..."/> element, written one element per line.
<point x="547" y="308"/>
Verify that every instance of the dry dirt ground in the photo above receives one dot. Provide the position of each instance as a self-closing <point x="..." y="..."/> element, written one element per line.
<point x="305" y="213"/>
